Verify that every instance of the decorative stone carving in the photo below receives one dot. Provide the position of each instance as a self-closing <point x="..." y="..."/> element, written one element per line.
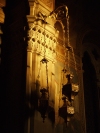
<point x="48" y="3"/>
<point x="40" y="41"/>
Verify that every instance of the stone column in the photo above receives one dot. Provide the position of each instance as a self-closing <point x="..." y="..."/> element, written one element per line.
<point x="29" y="78"/>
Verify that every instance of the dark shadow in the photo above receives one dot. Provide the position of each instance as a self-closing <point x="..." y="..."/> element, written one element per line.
<point x="13" y="66"/>
<point x="90" y="95"/>
<point x="32" y="105"/>
<point x="51" y="115"/>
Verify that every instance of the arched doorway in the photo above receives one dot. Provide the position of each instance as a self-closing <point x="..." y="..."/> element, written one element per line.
<point x="90" y="95"/>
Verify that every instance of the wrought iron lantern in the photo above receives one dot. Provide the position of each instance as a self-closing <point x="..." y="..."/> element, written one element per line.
<point x="44" y="99"/>
<point x="70" y="112"/>
<point x="43" y="103"/>
<point x="67" y="88"/>
<point x="66" y="111"/>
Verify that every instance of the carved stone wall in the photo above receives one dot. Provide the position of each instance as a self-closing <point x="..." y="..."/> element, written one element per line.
<point x="44" y="40"/>
<point x="41" y="39"/>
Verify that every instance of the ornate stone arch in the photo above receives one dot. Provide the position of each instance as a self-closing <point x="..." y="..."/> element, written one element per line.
<point x="89" y="47"/>
<point x="60" y="27"/>
<point x="92" y="50"/>
<point x="81" y="34"/>
<point x="91" y="88"/>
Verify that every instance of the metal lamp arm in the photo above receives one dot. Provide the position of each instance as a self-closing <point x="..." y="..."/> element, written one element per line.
<point x="60" y="13"/>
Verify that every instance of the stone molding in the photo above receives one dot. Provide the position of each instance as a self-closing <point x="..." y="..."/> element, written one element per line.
<point x="36" y="36"/>
<point x="47" y="4"/>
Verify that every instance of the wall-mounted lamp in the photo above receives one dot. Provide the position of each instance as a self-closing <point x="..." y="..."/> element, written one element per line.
<point x="59" y="14"/>
<point x="69" y="90"/>
<point x="44" y="99"/>
<point x="43" y="103"/>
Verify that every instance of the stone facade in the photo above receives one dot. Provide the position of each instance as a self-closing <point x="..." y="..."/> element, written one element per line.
<point x="48" y="40"/>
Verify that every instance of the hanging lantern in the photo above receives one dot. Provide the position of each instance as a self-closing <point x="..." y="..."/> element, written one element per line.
<point x="44" y="60"/>
<point x="43" y="103"/>
<point x="70" y="112"/>
<point x="66" y="111"/>
<point x="44" y="99"/>
<point x="67" y="88"/>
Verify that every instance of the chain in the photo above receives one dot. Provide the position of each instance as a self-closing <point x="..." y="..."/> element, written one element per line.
<point x="47" y="79"/>
<point x="68" y="43"/>
<point x="44" y="41"/>
<point x="64" y="49"/>
<point x="44" y="60"/>
<point x="74" y="59"/>
<point x="68" y="60"/>
<point x="70" y="48"/>
<point x="39" y="71"/>
<point x="68" y="31"/>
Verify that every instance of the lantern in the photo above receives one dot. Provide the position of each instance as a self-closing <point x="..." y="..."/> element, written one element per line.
<point x="43" y="103"/>
<point x="67" y="88"/>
